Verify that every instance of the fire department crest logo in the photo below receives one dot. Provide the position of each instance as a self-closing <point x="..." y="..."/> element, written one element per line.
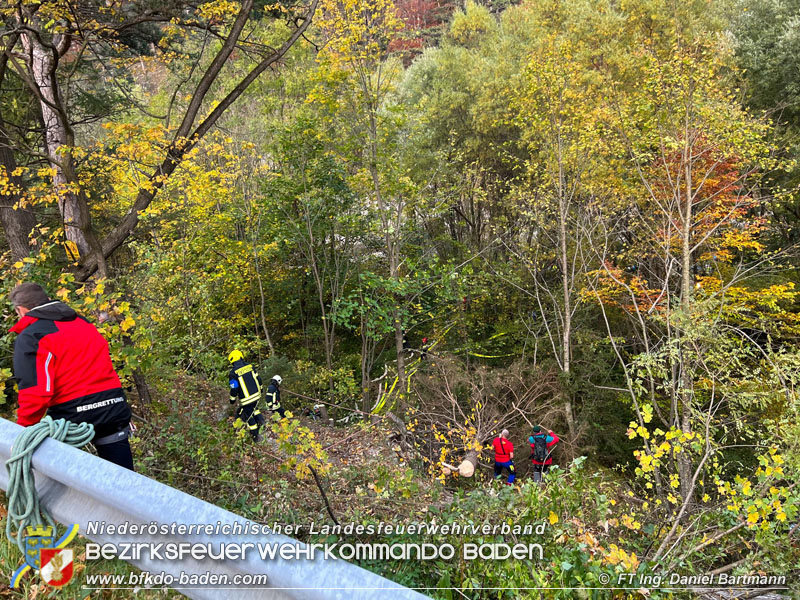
<point x="56" y="566"/>
<point x="37" y="539"/>
<point x="45" y="554"/>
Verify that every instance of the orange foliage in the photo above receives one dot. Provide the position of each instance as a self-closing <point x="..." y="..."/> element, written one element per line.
<point x="722" y="219"/>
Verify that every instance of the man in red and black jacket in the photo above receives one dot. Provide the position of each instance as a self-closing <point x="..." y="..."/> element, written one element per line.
<point x="63" y="369"/>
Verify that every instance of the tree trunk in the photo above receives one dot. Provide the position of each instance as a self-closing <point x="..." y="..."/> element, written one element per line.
<point x="566" y="338"/>
<point x="366" y="397"/>
<point x="262" y="305"/>
<point x="42" y="62"/>
<point x="366" y="366"/>
<point x="328" y="325"/>
<point x="17" y="222"/>
<point x="684" y="460"/>
<point x="566" y="342"/>
<point x="142" y="388"/>
<point x="401" y="357"/>
<point x="323" y="415"/>
<point x="394" y="270"/>
<point x="58" y="142"/>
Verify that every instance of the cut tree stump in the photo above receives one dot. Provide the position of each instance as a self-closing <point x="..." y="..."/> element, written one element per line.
<point x="467" y="466"/>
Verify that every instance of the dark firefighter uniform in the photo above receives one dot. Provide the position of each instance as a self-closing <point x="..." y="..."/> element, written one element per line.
<point x="273" y="396"/>
<point x="245" y="386"/>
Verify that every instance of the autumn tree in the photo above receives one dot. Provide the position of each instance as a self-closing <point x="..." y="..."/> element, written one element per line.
<point x="357" y="69"/>
<point x="318" y="213"/>
<point x="560" y="116"/>
<point x="49" y="33"/>
<point x="698" y="158"/>
<point x="766" y="40"/>
<point x="424" y="23"/>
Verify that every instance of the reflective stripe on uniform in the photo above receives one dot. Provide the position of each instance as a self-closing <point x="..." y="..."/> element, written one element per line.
<point x="250" y="399"/>
<point x="47" y="371"/>
<point x="248" y="395"/>
<point x="242" y="382"/>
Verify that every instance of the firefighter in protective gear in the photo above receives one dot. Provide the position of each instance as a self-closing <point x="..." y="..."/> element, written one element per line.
<point x="245" y="386"/>
<point x="274" y="396"/>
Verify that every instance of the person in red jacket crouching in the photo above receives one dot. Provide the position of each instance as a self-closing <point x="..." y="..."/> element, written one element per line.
<point x="63" y="369"/>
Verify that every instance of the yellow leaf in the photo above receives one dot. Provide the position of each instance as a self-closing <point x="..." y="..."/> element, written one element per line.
<point x="72" y="250"/>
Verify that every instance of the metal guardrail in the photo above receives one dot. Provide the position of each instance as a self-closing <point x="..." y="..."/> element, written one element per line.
<point x="77" y="487"/>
